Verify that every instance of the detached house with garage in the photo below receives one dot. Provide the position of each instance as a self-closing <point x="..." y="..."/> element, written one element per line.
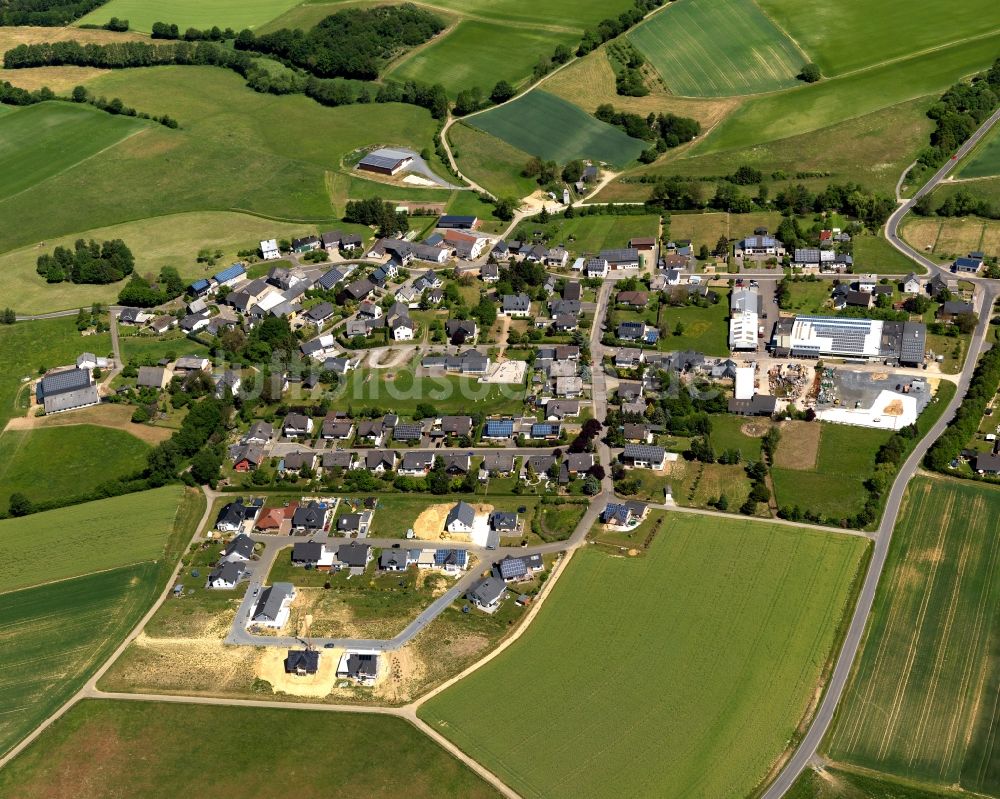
<point x="644" y="456"/>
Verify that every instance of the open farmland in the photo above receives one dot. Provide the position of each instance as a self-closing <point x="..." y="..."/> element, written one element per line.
<point x="819" y="105"/>
<point x="552" y="128"/>
<point x="28" y="347"/>
<point x="554" y="14"/>
<point x="950" y="237"/>
<point x="709" y="648"/>
<point x="834" y="488"/>
<point x="921" y="702"/>
<point x="87" y="538"/>
<point x="235" y="14"/>
<point x="844" y="35"/>
<point x="172" y="240"/>
<point x="490" y="162"/>
<point x="40" y="141"/>
<point x="476" y="53"/>
<point x="133" y="749"/>
<point x="985" y="161"/>
<point x="718" y="48"/>
<point x="62" y="462"/>
<point x="835" y="782"/>
<point x="264" y="154"/>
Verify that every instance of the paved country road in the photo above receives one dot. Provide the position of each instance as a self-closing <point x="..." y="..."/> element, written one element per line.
<point x="838" y="680"/>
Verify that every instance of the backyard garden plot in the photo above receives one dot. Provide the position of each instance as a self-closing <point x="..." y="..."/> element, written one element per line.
<point x="87" y="538"/>
<point x="552" y="128"/>
<point x="842" y="35"/>
<point x="134" y="749"/>
<point x="718" y="48"/>
<point x="921" y="702"/>
<point x="235" y="14"/>
<point x="55" y="635"/>
<point x="715" y="656"/>
<point x="40" y="141"/>
<point x="809" y="108"/>
<point x="985" y="161"/>
<point x="63" y="462"/>
<point x="476" y="53"/>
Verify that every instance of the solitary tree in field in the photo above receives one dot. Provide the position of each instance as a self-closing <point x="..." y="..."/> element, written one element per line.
<point x="810" y="73"/>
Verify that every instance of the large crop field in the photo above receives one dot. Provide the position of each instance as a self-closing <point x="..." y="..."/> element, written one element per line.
<point x="87" y="538"/>
<point x="30" y="347"/>
<point x="115" y="748"/>
<point x="554" y="14"/>
<point x="819" y="105"/>
<point x="235" y="14"/>
<point x="552" y="128"/>
<point x="717" y="48"/>
<point x="40" y="141"/>
<point x="641" y="676"/>
<point x="62" y="462"/>
<point x="922" y="701"/>
<point x="236" y="150"/>
<point x="477" y="53"/>
<point x="842" y="35"/>
<point x="985" y="161"/>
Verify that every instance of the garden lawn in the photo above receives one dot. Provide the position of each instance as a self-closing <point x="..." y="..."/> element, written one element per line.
<point x="717" y="48"/>
<point x="63" y="462"/>
<point x="705" y="329"/>
<point x="588" y="235"/>
<point x="86" y="538"/>
<point x="490" y="162"/>
<point x="711" y="647"/>
<point x="801" y="110"/>
<point x="476" y="53"/>
<point x="842" y="35"/>
<point x="265" y="154"/>
<point x="40" y="141"/>
<point x="874" y="254"/>
<point x="134" y="748"/>
<point x="173" y="240"/>
<point x="727" y="433"/>
<point x="985" y="161"/>
<point x="547" y="126"/>
<point x="835" y="487"/>
<point x="809" y="297"/>
<point x="920" y="703"/>
<point x="28" y="347"/>
<point x="235" y="14"/>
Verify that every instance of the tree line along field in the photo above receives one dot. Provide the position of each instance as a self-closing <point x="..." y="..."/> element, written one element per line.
<point x="642" y="675"/>
<point x="265" y="154"/>
<point x="56" y="633"/>
<point x="134" y="749"/>
<point x="717" y="48"/>
<point x="86" y="538"/>
<point x="529" y="123"/>
<point x="62" y="462"/>
<point x="27" y="347"/>
<point x="844" y="35"/>
<point x="922" y="700"/>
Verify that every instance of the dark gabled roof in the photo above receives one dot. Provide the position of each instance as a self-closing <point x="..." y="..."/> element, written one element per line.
<point x="309" y="517"/>
<point x="488" y="591"/>
<point x="227" y="572"/>
<point x="359" y="665"/>
<point x="502" y="520"/>
<point x="62" y="382"/>
<point x="354" y="554"/>
<point x="242" y="545"/>
<point x="644" y="452"/>
<point x="408" y="432"/>
<point x="307" y="552"/>
<point x="306" y="660"/>
<point x="462" y="512"/>
<point x="499" y="427"/>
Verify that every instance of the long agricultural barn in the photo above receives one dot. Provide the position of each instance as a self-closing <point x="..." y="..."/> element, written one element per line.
<point x="385" y="161"/>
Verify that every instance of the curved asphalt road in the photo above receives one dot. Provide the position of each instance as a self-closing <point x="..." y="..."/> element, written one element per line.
<point x="838" y="680"/>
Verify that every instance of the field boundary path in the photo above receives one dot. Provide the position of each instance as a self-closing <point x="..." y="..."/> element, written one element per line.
<point x="810" y="743"/>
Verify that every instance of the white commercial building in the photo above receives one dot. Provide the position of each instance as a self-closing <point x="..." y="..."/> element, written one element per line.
<point x="743" y="321"/>
<point x="816" y="336"/>
<point x="745" y="382"/>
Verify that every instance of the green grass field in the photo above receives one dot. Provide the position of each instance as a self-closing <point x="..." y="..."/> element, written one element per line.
<point x="477" y="53"/>
<point x="490" y="162"/>
<point x="921" y="702"/>
<point x="845" y="35"/>
<point x="264" y="154"/>
<point x="133" y="749"/>
<point x="590" y="234"/>
<point x="235" y="14"/>
<point x="838" y="783"/>
<point x="552" y="128"/>
<point x="874" y="254"/>
<point x="718" y="48"/>
<point x="835" y="486"/>
<point x="644" y="674"/>
<point x="40" y="141"/>
<point x="53" y="463"/>
<point x="81" y="539"/>
<point x="172" y="240"/>
<point x="28" y="346"/>
<point x="985" y="161"/>
<point x="571" y="14"/>
<point x="819" y="105"/>
<point x="703" y="329"/>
